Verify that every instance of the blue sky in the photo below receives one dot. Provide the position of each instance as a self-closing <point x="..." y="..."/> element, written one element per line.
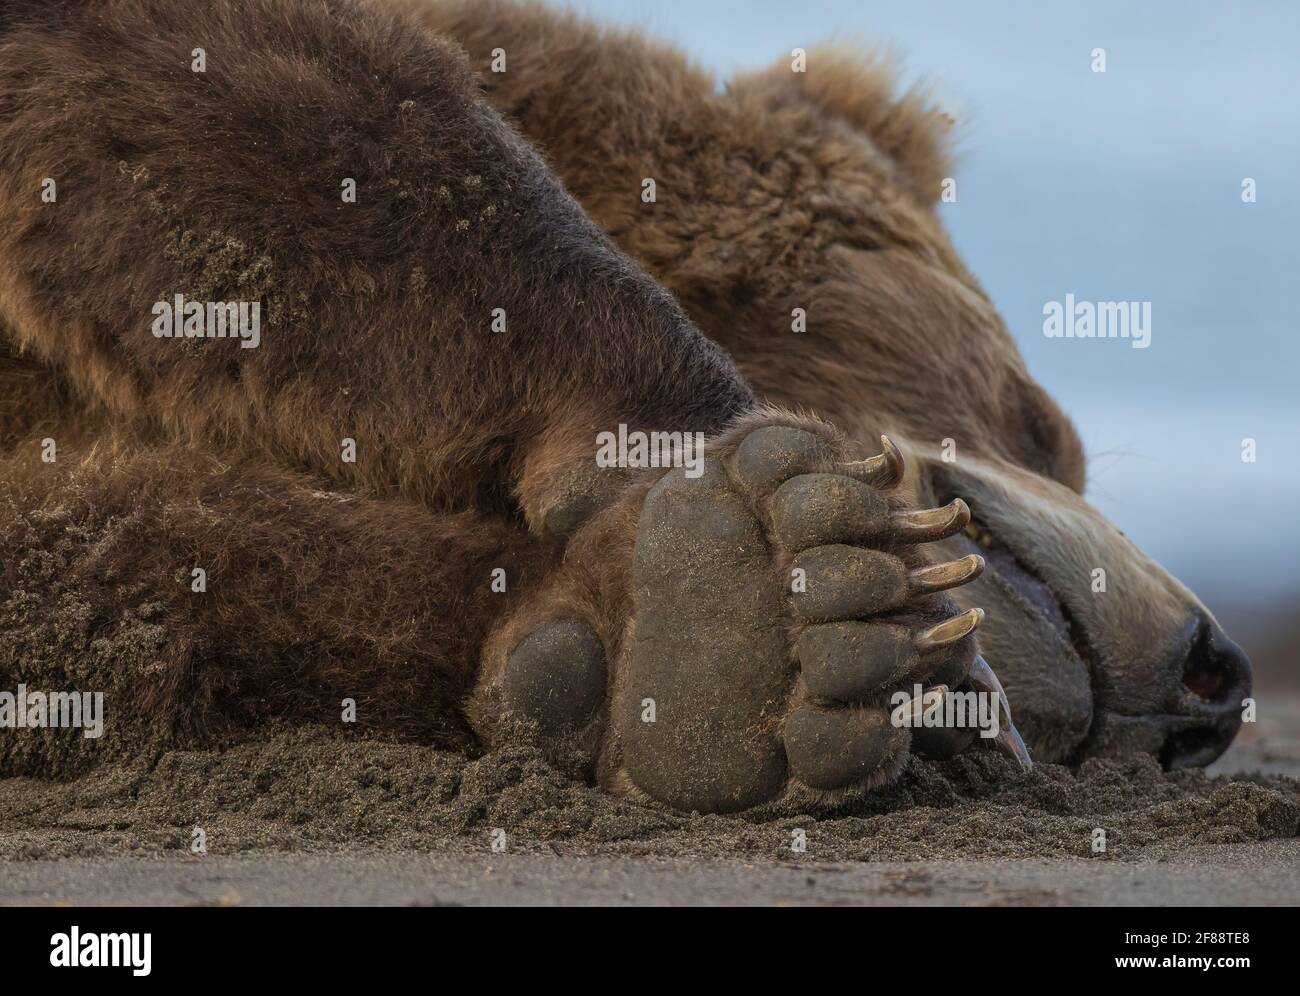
<point x="1117" y="186"/>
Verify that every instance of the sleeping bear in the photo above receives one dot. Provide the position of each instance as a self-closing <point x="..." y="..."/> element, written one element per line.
<point x="484" y="239"/>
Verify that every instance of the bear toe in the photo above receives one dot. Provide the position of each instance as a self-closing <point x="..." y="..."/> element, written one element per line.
<point x="817" y="509"/>
<point x="772" y="455"/>
<point x="851" y="661"/>
<point x="844" y="582"/>
<point x="556" y="676"/>
<point x="829" y="749"/>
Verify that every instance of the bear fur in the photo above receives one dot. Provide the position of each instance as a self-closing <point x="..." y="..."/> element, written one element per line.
<point x="478" y="194"/>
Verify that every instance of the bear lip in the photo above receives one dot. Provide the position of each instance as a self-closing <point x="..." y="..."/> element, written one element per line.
<point x="1043" y="601"/>
<point x="1017" y="572"/>
<point x="1030" y="585"/>
<point x="1023" y="579"/>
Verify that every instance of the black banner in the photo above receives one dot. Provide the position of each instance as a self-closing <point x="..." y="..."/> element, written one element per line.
<point x="139" y="946"/>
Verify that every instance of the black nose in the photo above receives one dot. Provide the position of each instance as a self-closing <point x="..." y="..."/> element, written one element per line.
<point x="1217" y="679"/>
<point x="1216" y="671"/>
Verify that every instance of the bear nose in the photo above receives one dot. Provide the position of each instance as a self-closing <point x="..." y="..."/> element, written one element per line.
<point x="1216" y="671"/>
<point x="1216" y="679"/>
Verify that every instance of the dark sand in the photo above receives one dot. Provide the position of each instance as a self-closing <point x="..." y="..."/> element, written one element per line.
<point x="1215" y="875"/>
<point x="308" y="817"/>
<point x="310" y="790"/>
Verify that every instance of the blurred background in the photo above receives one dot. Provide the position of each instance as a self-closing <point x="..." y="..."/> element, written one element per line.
<point x="1123" y="185"/>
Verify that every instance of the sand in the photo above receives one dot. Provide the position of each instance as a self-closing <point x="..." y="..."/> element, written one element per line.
<point x="309" y="816"/>
<point x="318" y="790"/>
<point x="1226" y="874"/>
<point x="310" y="790"/>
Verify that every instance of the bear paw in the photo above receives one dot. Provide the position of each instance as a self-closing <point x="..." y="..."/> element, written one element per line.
<point x="783" y="598"/>
<point x="773" y="617"/>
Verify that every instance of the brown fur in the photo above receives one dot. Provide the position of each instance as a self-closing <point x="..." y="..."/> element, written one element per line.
<point x="379" y="312"/>
<point x="377" y="330"/>
<point x="312" y="595"/>
<point x="369" y="580"/>
<point x="784" y="191"/>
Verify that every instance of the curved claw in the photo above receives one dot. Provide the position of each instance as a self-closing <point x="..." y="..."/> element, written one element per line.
<point x="1008" y="740"/>
<point x="883" y="470"/>
<point x="929" y="524"/>
<point x="948" y="632"/>
<point x="941" y="577"/>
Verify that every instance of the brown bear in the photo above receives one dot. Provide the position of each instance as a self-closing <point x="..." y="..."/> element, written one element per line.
<point x="397" y="495"/>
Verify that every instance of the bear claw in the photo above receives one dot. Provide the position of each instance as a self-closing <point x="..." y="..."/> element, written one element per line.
<point x="927" y="525"/>
<point x="778" y="600"/>
<point x="950" y="631"/>
<point x="1008" y="741"/>
<point x="883" y="470"/>
<point x="941" y="577"/>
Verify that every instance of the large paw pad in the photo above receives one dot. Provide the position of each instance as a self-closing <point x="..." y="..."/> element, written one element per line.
<point x="781" y="598"/>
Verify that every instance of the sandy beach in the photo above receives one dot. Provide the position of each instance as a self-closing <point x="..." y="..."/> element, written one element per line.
<point x="305" y="817"/>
